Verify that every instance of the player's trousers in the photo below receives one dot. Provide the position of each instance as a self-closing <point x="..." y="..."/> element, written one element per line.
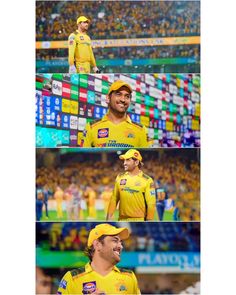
<point x="83" y="67"/>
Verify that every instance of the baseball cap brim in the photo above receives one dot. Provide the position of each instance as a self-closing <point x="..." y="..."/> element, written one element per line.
<point x="122" y="232"/>
<point x="118" y="85"/>
<point x="83" y="19"/>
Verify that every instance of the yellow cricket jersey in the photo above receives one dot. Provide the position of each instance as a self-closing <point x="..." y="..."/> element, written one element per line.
<point x="85" y="280"/>
<point x="104" y="133"/>
<point x="80" y="49"/>
<point x="136" y="197"/>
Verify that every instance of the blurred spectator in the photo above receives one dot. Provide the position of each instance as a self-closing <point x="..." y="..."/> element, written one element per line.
<point x="43" y="282"/>
<point x="58" y="196"/>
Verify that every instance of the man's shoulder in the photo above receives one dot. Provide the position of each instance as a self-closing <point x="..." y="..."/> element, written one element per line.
<point x="145" y="176"/>
<point x="137" y="125"/>
<point x="95" y="122"/>
<point x="121" y="174"/>
<point x="77" y="271"/>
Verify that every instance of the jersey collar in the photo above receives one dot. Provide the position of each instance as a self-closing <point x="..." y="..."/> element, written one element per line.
<point x="105" y="118"/>
<point x="88" y="268"/>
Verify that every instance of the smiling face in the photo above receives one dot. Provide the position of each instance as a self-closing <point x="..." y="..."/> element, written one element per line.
<point x="110" y="249"/>
<point x="83" y="26"/>
<point x="130" y="164"/>
<point x="119" y="100"/>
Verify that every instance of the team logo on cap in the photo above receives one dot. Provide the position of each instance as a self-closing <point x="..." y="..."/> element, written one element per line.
<point x="122" y="288"/>
<point x="123" y="181"/>
<point x="102" y="133"/>
<point x="89" y="287"/>
<point x="135" y="154"/>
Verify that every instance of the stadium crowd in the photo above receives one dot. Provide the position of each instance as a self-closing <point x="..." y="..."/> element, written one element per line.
<point x="128" y="52"/>
<point x="144" y="237"/>
<point x="118" y="19"/>
<point x="94" y="180"/>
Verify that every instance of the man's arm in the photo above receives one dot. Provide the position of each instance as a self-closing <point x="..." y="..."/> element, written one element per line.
<point x="93" y="61"/>
<point x="71" y="53"/>
<point x="136" y="287"/>
<point x="150" y="196"/>
<point x="87" y="140"/>
<point x="113" y="202"/>
<point x="144" y="141"/>
<point x="65" y="286"/>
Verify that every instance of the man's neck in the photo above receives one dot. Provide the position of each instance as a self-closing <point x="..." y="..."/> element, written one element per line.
<point x="80" y="31"/>
<point x="115" y="118"/>
<point x="101" y="266"/>
<point x="134" y="172"/>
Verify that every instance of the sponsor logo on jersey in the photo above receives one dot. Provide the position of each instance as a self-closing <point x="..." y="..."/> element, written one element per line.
<point x="130" y="135"/>
<point x="123" y="181"/>
<point x="137" y="183"/>
<point x="102" y="133"/>
<point x="81" y="38"/>
<point x="89" y="287"/>
<point x="129" y="190"/>
<point x="63" y="284"/>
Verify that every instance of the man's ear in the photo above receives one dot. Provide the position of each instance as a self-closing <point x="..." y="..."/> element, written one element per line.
<point x="108" y="99"/>
<point x="96" y="244"/>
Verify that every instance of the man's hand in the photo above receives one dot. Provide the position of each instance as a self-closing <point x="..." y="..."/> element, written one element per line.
<point x="96" y="70"/>
<point x="72" y="69"/>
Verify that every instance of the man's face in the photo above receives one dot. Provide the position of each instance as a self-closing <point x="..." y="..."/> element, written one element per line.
<point x="119" y="100"/>
<point x="84" y="26"/>
<point x="130" y="164"/>
<point x="43" y="282"/>
<point x="110" y="249"/>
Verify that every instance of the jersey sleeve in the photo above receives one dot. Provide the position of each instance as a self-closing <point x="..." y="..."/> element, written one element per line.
<point x="66" y="285"/>
<point x="150" y="196"/>
<point x="114" y="198"/>
<point x="71" y="48"/>
<point x="144" y="143"/>
<point x="87" y="140"/>
<point x="92" y="58"/>
<point x="136" y="287"/>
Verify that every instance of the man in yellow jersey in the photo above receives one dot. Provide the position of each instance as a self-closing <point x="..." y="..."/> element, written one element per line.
<point x="81" y="56"/>
<point x="116" y="129"/>
<point x="134" y="191"/>
<point x="100" y="275"/>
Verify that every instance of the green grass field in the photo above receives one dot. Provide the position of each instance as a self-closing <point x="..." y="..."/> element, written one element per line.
<point x="100" y="216"/>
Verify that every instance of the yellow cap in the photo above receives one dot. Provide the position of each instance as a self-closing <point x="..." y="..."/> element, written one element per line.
<point x="117" y="85"/>
<point x="131" y="154"/>
<point x="82" y="19"/>
<point x="108" y="230"/>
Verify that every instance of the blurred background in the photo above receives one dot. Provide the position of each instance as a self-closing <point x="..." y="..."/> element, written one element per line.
<point x="164" y="256"/>
<point x="77" y="184"/>
<point x="168" y="105"/>
<point x="128" y="36"/>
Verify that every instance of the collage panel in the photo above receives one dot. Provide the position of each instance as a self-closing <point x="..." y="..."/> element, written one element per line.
<point x="117" y="137"/>
<point x="89" y="110"/>
<point x="145" y="258"/>
<point x="123" y="36"/>
<point x="74" y="184"/>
